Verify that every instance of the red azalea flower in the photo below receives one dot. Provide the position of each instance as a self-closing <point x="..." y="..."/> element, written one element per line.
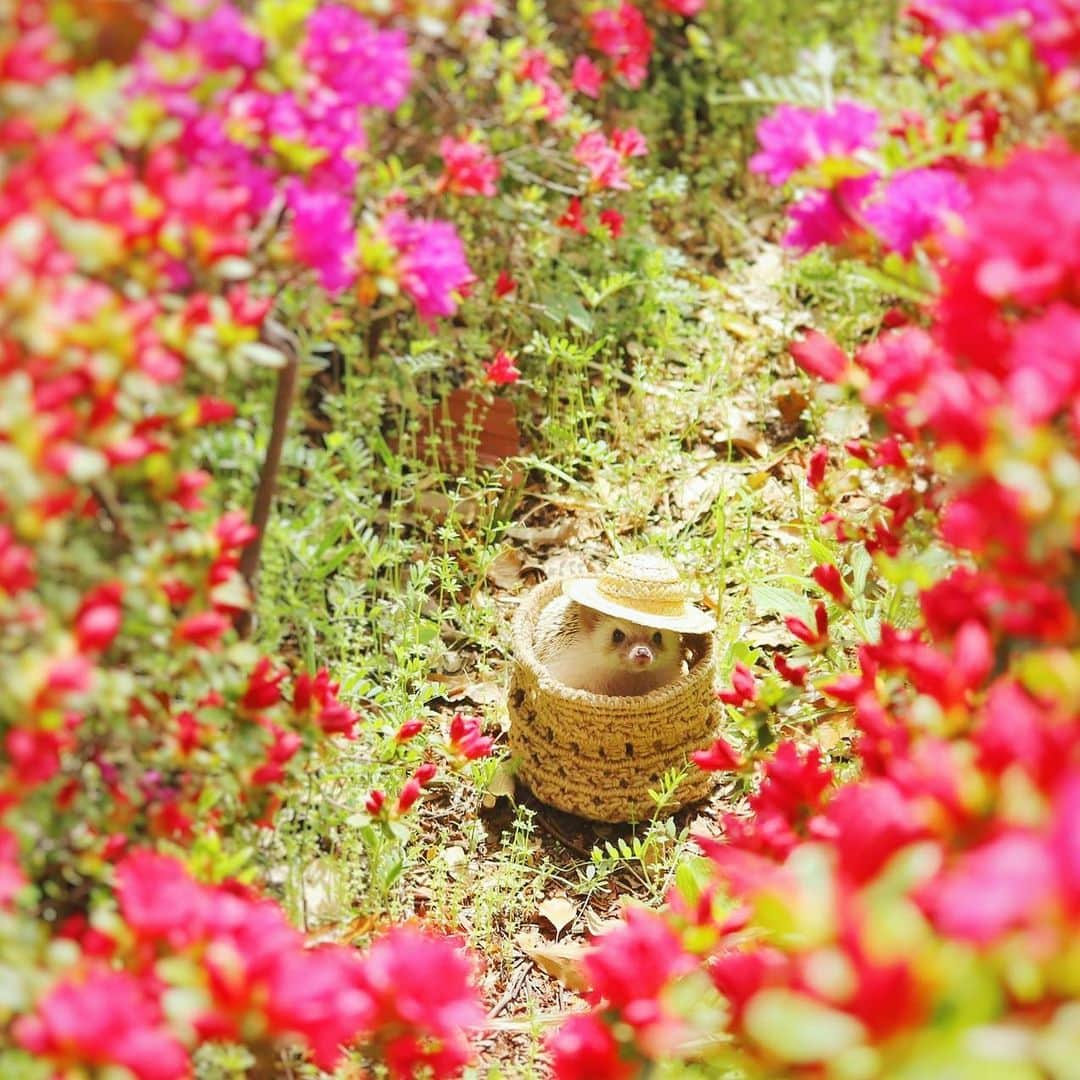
<point x="827" y="576"/>
<point x="502" y="371"/>
<point x="504" y="284"/>
<point x="613" y="221"/>
<point x="409" y="730"/>
<point x="821" y="356"/>
<point x="573" y="218"/>
<point x="586" y="77"/>
<point x="584" y="1048"/>
<point x="719" y="757"/>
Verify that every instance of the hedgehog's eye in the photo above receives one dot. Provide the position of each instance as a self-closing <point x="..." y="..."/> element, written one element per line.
<point x="658" y="638"/>
<point x="617" y="636"/>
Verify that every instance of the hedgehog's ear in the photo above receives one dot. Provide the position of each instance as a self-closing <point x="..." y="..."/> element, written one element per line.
<point x="587" y="617"/>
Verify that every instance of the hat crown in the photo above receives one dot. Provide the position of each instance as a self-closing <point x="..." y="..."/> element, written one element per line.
<point x="643" y="576"/>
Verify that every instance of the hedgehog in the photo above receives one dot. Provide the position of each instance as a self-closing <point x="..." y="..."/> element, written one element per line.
<point x="589" y="650"/>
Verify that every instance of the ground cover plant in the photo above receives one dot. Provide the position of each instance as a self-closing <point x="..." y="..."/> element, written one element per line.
<point x="330" y="327"/>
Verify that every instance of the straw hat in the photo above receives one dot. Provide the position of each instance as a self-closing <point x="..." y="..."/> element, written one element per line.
<point x="645" y="589"/>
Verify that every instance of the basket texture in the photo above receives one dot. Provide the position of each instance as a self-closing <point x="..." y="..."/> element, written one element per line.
<point x="597" y="756"/>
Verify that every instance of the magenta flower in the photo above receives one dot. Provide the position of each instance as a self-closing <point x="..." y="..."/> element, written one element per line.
<point x="361" y="64"/>
<point x="794" y="137"/>
<point x="225" y="41"/>
<point x="587" y="78"/>
<point x="951" y="16"/>
<point x="432" y="269"/>
<point x="828" y="216"/>
<point x="322" y="234"/>
<point x="1045" y="374"/>
<point x="914" y="204"/>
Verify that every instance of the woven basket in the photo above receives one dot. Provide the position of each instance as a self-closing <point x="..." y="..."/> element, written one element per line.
<point x="597" y="756"/>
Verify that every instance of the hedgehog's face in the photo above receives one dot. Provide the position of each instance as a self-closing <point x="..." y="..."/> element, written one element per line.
<point x="627" y="646"/>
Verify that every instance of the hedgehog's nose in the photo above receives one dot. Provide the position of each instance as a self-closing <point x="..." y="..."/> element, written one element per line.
<point x="641" y="655"/>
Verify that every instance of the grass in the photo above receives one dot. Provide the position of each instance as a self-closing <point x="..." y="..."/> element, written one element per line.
<point x="402" y="579"/>
<point x="660" y="410"/>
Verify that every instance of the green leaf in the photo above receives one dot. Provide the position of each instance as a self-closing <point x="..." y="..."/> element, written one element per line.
<point x="772" y="600"/>
<point x="797" y="1029"/>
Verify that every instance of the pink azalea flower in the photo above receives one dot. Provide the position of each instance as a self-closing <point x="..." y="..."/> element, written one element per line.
<point x="106" y="1018"/>
<point x="504" y="284"/>
<point x="828" y="216"/>
<point x="604" y="162"/>
<point x="586" y="77"/>
<point x="869" y="822"/>
<point x="793" y="137"/>
<point x="322" y="234"/>
<point x="817" y="354"/>
<point x="1044" y="379"/>
<point x="914" y="204"/>
<point x="431" y="267"/>
<point x="719" y="757"/>
<point x="574" y="218"/>
<point x="225" y="40"/>
<point x="361" y="64"/>
<point x="743" y="689"/>
<point x="632" y="964"/>
<point x="1004" y="884"/>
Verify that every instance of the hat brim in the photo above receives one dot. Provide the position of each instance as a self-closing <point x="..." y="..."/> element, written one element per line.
<point x="585" y="591"/>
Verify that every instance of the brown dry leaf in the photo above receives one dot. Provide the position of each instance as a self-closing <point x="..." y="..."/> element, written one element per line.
<point x="790" y="399"/>
<point x="507" y="569"/>
<point x="598" y="926"/>
<point x="543" y="535"/>
<point x="558" y="911"/>
<point x="827" y="737"/>
<point x="560" y="960"/>
<point x="476" y="693"/>
<point x="767" y="635"/>
<point x="695" y="495"/>
<point x="736" y="325"/>
<point x="358" y="929"/>
<point x="741" y="436"/>
<point x="437" y="506"/>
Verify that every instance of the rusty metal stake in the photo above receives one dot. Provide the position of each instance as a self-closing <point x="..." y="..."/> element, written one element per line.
<point x="286" y="342"/>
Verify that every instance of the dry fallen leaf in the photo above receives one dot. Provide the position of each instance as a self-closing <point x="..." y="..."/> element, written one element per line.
<point x="506" y="569"/>
<point x="537" y="536"/>
<point x="560" y="960"/>
<point x="596" y="925"/>
<point x="476" y="693"/>
<point x="558" y="911"/>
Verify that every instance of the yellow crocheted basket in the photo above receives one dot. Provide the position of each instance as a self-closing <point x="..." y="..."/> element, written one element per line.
<point x="598" y="756"/>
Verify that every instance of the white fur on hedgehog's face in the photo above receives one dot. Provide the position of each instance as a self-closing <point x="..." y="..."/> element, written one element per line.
<point x="628" y="646"/>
